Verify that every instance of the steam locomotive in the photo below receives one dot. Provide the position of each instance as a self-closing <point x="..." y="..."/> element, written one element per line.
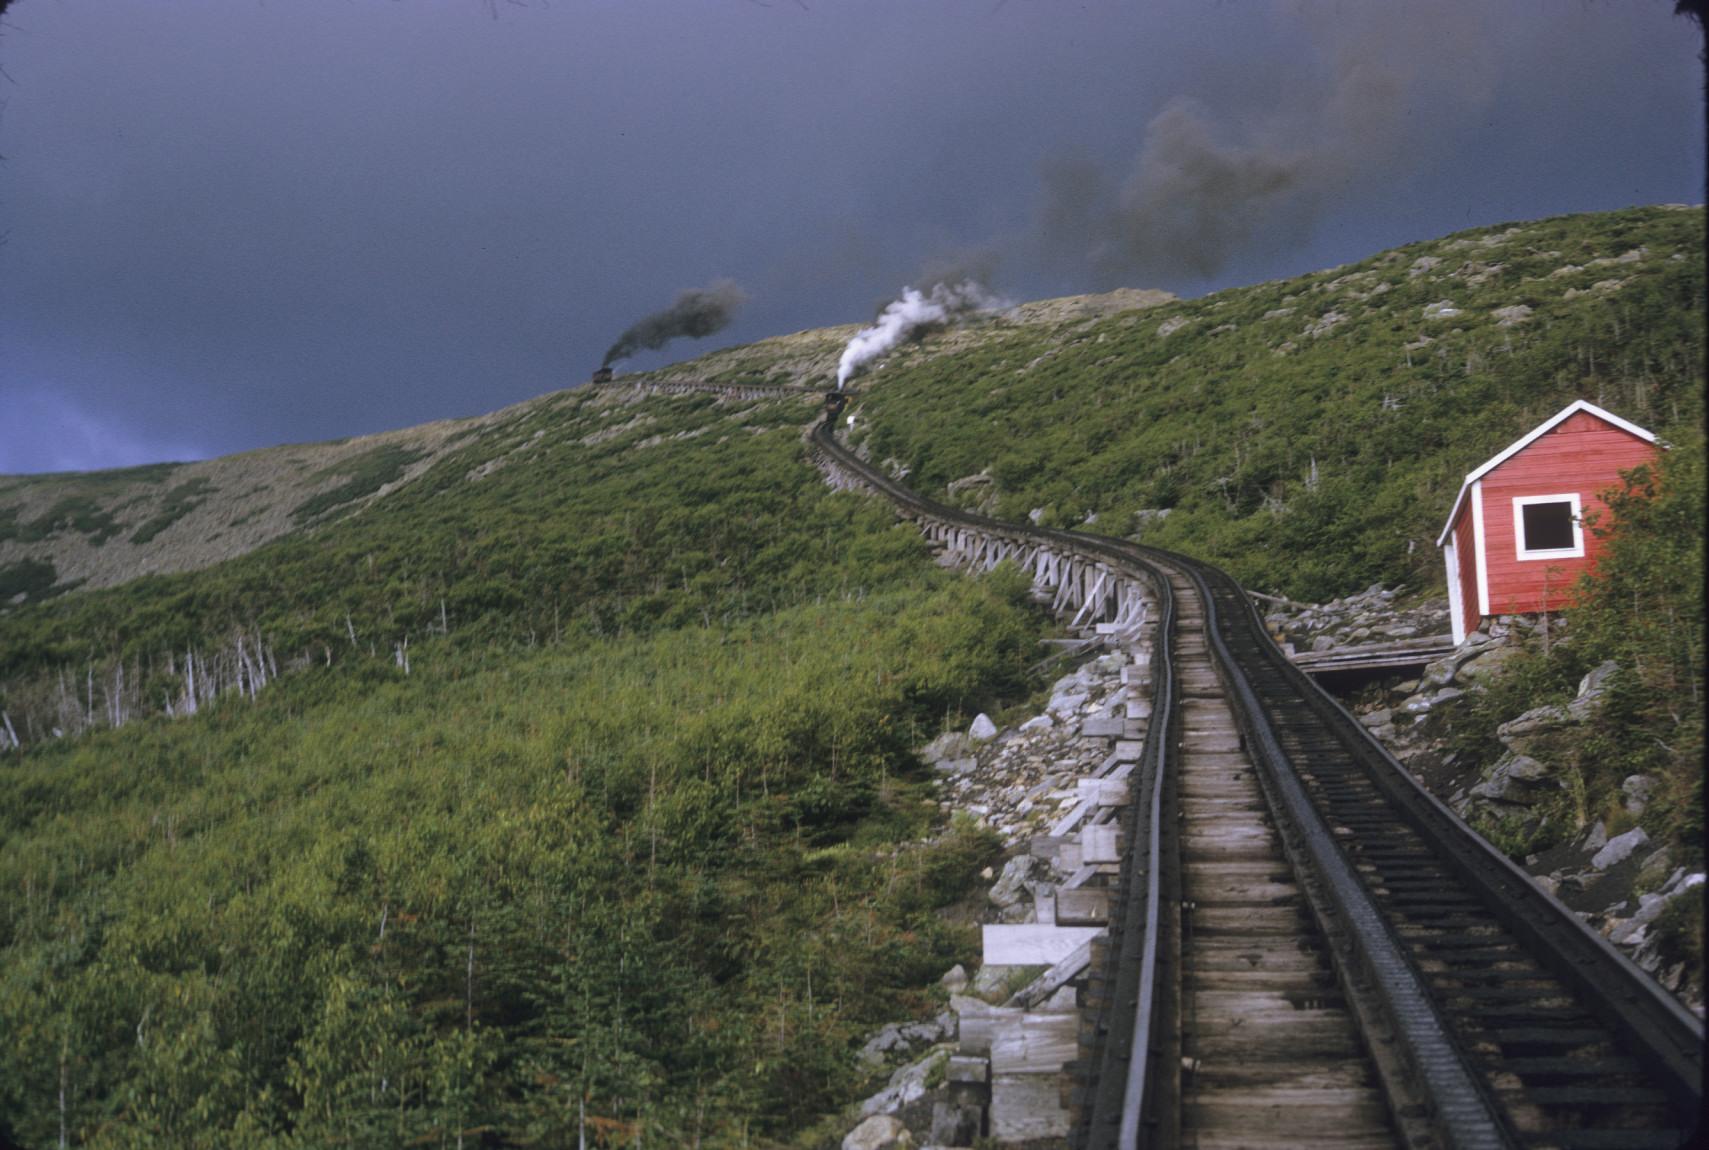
<point x="835" y="401"/>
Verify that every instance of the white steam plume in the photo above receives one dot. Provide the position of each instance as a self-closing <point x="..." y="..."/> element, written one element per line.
<point x="901" y="317"/>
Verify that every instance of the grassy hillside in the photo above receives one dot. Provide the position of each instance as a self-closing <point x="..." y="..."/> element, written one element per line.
<point x="639" y="823"/>
<point x="1310" y="434"/>
<point x="584" y="514"/>
<point x="660" y="873"/>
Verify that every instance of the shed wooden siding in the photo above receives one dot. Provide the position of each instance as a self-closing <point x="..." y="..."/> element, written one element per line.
<point x="1466" y="555"/>
<point x="1582" y="455"/>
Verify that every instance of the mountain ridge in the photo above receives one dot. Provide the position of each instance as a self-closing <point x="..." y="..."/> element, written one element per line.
<point x="100" y="529"/>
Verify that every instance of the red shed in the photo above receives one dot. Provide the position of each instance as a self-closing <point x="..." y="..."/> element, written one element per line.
<point x="1515" y="541"/>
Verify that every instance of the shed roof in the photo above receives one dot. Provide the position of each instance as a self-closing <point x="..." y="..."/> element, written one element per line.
<point x="1530" y="437"/>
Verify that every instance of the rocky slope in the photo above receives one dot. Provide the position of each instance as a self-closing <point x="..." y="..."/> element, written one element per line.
<point x="1616" y="877"/>
<point x="99" y="529"/>
<point x="1018" y="779"/>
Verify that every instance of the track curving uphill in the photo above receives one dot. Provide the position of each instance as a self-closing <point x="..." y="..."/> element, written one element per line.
<point x="1307" y="949"/>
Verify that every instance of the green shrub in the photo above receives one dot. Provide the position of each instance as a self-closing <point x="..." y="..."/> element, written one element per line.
<point x="364" y="474"/>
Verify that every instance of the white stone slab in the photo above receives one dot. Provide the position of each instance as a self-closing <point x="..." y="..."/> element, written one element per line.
<point x="1099" y="844"/>
<point x="1128" y="751"/>
<point x="1103" y="792"/>
<point x="1026" y="1107"/>
<point x="1034" y="1043"/>
<point x="1083" y="906"/>
<point x="1031" y="944"/>
<point x="977" y="1021"/>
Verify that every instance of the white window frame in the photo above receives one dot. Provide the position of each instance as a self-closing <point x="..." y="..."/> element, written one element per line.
<point x="1576" y="551"/>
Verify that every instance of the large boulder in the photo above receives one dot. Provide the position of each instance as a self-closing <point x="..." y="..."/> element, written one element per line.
<point x="1535" y="721"/>
<point x="976" y="491"/>
<point x="1067" y="705"/>
<point x="1592" y="691"/>
<point x="879" y="1132"/>
<point x="881" y="1044"/>
<point x="1634" y="931"/>
<point x="949" y="745"/>
<point x="1521" y="734"/>
<point x="992" y="982"/>
<point x="1446" y="669"/>
<point x="899" y="1038"/>
<point x="1637" y="791"/>
<point x="1619" y="848"/>
<point x="983" y="729"/>
<point x="1593" y="683"/>
<point x="1485" y="663"/>
<point x="1012" y="884"/>
<point x="1516" y="779"/>
<point x="907" y="1097"/>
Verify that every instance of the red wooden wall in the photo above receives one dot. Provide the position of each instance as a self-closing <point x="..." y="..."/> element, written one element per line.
<point x="1584" y="455"/>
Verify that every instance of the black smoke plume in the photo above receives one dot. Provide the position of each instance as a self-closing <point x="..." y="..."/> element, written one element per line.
<point x="696" y="313"/>
<point x="1229" y="177"/>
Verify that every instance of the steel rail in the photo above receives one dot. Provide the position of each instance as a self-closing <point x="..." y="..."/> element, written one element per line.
<point x="1629" y="1001"/>
<point x="1133" y="1032"/>
<point x="1158" y="737"/>
<point x="1666" y="1037"/>
<point x="1464" y="1112"/>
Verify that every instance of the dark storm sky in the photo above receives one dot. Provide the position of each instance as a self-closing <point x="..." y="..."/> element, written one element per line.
<point x="232" y="223"/>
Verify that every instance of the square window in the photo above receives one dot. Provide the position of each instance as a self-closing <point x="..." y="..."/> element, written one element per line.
<point x="1548" y="527"/>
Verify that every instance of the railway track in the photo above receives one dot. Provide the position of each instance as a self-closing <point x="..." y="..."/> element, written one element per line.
<point x="1305" y="947"/>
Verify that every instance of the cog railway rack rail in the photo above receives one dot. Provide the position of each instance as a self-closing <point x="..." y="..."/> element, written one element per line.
<point x="1304" y="947"/>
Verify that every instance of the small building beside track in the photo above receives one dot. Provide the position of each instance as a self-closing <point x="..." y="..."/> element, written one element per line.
<point x="1516" y="540"/>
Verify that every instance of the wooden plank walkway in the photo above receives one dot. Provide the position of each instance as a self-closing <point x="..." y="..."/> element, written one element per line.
<point x="1271" y="1054"/>
<point x="1392" y="656"/>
